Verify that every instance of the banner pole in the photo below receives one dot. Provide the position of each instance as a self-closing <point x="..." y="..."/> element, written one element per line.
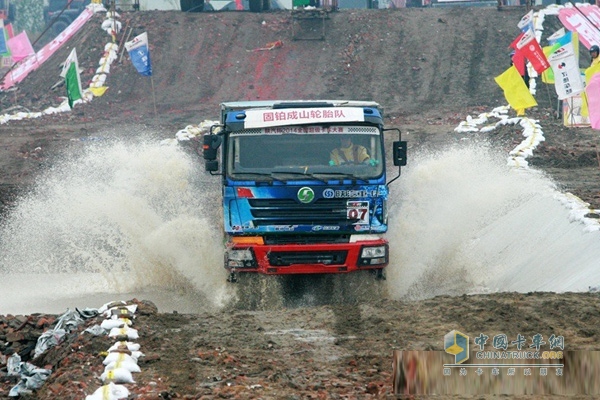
<point x="153" y="95"/>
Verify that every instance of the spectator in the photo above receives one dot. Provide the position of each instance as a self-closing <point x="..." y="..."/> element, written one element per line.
<point x="594" y="51"/>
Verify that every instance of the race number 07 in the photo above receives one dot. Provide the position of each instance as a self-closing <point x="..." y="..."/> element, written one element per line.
<point x="358" y="211"/>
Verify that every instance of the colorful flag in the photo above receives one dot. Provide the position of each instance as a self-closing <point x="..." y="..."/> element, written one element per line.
<point x="554" y="37"/>
<point x="593" y="95"/>
<point x="20" y="47"/>
<point x="4" y="52"/>
<point x="567" y="77"/>
<point x="70" y="72"/>
<point x="519" y="62"/>
<point x="140" y="54"/>
<point x="528" y="45"/>
<point x="526" y="22"/>
<point x="548" y="75"/>
<point x="590" y="72"/>
<point x="9" y="30"/>
<point x="515" y="90"/>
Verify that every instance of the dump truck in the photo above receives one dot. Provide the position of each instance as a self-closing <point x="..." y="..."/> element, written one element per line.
<point x="290" y="206"/>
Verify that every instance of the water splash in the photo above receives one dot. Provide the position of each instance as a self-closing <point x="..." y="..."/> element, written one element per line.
<point x="122" y="217"/>
<point x="462" y="221"/>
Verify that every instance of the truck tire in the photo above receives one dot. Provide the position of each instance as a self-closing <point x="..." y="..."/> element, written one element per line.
<point x="256" y="5"/>
<point x="266" y="5"/>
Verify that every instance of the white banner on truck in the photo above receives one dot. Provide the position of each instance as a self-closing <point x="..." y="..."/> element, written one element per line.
<point x="293" y="116"/>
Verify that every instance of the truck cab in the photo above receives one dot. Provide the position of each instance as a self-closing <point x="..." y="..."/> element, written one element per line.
<point x="291" y="205"/>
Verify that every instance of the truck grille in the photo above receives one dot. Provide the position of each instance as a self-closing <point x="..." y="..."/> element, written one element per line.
<point x="304" y="239"/>
<point x="289" y="212"/>
<point x="287" y="258"/>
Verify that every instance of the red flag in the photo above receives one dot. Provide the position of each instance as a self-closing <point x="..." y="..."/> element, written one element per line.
<point x="518" y="60"/>
<point x="529" y="47"/>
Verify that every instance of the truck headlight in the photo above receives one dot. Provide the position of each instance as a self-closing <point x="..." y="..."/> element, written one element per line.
<point x="373" y="252"/>
<point x="373" y="255"/>
<point x="240" y="258"/>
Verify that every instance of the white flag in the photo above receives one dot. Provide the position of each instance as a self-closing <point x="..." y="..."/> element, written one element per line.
<point x="567" y="77"/>
<point x="526" y="21"/>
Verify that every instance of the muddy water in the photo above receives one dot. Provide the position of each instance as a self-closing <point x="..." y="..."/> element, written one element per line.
<point x="142" y="220"/>
<point x="120" y="219"/>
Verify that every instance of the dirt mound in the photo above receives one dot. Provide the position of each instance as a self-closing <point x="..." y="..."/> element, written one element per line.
<point x="409" y="60"/>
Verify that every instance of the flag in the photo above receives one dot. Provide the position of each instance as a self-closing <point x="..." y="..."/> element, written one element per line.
<point x="515" y="90"/>
<point x="9" y="30"/>
<point x="519" y="62"/>
<point x="526" y="22"/>
<point x="591" y="71"/>
<point x="548" y="75"/>
<point x="593" y="95"/>
<point x="529" y="46"/>
<point x="4" y="52"/>
<point x="554" y="37"/>
<point x="70" y="72"/>
<point x="567" y="77"/>
<point x="140" y="54"/>
<point x="20" y="47"/>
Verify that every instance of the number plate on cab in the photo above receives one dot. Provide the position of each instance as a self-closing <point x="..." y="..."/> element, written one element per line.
<point x="358" y="211"/>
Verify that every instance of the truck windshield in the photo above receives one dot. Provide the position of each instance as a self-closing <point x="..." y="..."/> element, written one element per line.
<point x="300" y="153"/>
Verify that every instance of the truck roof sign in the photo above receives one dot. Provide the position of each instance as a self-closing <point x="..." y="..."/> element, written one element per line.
<point x="293" y="116"/>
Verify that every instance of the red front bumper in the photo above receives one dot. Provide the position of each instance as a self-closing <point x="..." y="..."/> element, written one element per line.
<point x="307" y="258"/>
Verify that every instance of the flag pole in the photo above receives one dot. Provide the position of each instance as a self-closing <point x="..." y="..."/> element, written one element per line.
<point x="153" y="95"/>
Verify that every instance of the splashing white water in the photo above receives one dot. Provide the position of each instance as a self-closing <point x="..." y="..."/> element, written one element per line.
<point x="123" y="218"/>
<point x="463" y="221"/>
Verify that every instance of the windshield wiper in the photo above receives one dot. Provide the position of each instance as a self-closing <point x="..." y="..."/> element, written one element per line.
<point x="258" y="174"/>
<point x="341" y="175"/>
<point x="300" y="173"/>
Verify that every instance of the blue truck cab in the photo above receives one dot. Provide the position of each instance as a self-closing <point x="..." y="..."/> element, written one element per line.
<point x="292" y="202"/>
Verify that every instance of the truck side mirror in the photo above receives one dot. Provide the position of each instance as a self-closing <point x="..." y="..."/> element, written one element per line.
<point x="210" y="146"/>
<point x="400" y="153"/>
<point x="211" y="166"/>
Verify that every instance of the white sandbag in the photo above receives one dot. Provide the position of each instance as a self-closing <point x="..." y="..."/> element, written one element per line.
<point x="110" y="391"/>
<point x="128" y="365"/>
<point x="119" y="375"/>
<point x="131" y="333"/>
<point x="131" y="346"/>
<point x="109" y="324"/>
<point x="118" y="357"/>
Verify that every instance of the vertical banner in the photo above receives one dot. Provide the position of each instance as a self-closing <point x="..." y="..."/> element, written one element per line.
<point x="567" y="77"/>
<point x="593" y="94"/>
<point x="140" y="54"/>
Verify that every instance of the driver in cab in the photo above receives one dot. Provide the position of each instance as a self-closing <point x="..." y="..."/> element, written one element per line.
<point x="349" y="153"/>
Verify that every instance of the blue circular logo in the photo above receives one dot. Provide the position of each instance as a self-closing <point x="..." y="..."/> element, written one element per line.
<point x="328" y="193"/>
